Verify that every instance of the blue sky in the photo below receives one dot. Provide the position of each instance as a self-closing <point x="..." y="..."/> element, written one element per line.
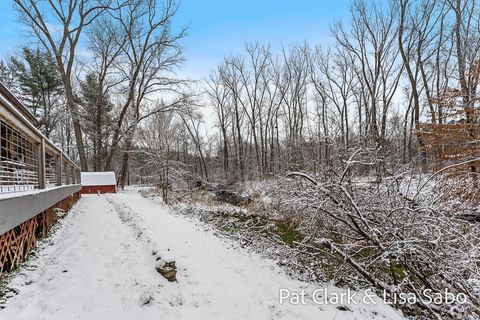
<point x="218" y="28"/>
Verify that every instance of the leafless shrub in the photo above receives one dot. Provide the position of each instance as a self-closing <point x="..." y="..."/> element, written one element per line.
<point x="392" y="240"/>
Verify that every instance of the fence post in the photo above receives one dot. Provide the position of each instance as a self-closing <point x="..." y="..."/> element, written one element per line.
<point x="41" y="164"/>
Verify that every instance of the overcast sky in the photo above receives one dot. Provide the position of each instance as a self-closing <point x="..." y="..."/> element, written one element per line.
<point x="221" y="27"/>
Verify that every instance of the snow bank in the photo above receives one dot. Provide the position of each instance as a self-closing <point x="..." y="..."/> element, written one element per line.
<point x="101" y="265"/>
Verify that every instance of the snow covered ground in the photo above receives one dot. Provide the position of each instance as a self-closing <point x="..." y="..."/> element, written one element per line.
<point x="99" y="265"/>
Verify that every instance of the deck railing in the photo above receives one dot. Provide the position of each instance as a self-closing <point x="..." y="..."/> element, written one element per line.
<point x="37" y="180"/>
<point x="28" y="160"/>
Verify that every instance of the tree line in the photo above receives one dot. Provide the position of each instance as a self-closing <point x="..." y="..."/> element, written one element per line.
<point x="393" y="67"/>
<point x="103" y="83"/>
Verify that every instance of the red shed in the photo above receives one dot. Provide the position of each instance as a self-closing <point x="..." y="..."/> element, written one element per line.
<point x="99" y="182"/>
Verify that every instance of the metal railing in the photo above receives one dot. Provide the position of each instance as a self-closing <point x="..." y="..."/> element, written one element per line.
<point x="50" y="170"/>
<point x="18" y="160"/>
<point x="28" y="160"/>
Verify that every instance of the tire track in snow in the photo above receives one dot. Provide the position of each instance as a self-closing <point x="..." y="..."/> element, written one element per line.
<point x="221" y="282"/>
<point x="93" y="267"/>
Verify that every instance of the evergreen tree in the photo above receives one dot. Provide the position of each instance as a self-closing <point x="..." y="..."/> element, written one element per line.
<point x="39" y="86"/>
<point x="6" y="75"/>
<point x="96" y="117"/>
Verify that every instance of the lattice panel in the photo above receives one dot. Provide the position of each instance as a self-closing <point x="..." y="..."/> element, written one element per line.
<point x="16" y="244"/>
<point x="46" y="220"/>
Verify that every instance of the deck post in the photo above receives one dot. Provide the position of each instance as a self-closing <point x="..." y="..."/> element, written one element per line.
<point x="41" y="164"/>
<point x="58" y="164"/>
<point x="67" y="173"/>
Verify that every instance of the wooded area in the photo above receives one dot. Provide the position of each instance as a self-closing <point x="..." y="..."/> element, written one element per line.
<point x="388" y="107"/>
<point x="393" y="68"/>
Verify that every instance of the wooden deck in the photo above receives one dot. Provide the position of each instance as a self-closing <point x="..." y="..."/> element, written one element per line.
<point x="37" y="180"/>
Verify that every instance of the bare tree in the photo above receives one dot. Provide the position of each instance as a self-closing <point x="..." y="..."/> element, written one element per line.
<point x="61" y="41"/>
<point x="219" y="96"/>
<point x="333" y="77"/>
<point x="372" y="41"/>
<point x="150" y="52"/>
<point x="192" y="120"/>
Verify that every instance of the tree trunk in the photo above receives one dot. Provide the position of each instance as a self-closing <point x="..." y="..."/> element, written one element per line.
<point x="125" y="159"/>
<point x="76" y="122"/>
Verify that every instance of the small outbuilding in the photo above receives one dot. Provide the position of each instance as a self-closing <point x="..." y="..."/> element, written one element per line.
<point x="98" y="182"/>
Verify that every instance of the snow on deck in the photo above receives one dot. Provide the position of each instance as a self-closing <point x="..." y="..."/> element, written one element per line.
<point x="18" y="194"/>
<point x="99" y="265"/>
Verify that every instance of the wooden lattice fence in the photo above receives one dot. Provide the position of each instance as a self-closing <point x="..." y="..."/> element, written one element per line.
<point x="16" y="244"/>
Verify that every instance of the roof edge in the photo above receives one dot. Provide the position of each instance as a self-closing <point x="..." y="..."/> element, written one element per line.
<point x="18" y="104"/>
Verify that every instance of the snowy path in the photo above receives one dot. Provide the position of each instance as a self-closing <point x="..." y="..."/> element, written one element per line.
<point x="100" y="266"/>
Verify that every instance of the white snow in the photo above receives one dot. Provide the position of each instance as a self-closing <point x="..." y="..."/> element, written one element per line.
<point x="106" y="178"/>
<point x="18" y="194"/>
<point x="100" y="265"/>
